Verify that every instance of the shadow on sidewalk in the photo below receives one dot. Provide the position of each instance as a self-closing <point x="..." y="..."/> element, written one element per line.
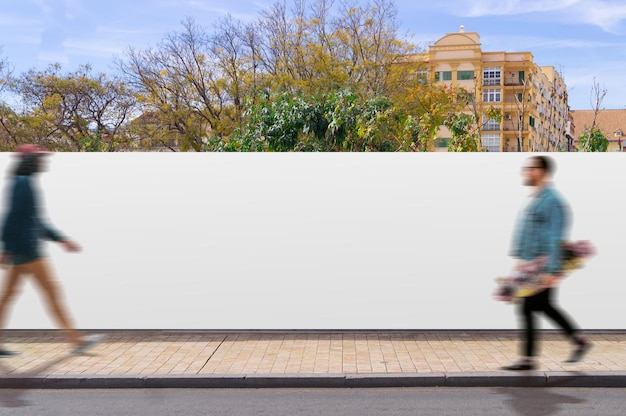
<point x="13" y="398"/>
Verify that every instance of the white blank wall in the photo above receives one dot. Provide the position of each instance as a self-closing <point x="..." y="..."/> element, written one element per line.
<point x="312" y="241"/>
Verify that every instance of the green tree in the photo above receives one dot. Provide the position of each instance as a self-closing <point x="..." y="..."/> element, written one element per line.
<point x="8" y="118"/>
<point x="593" y="141"/>
<point x="422" y="109"/>
<point x="314" y="75"/>
<point x="340" y="121"/>
<point x="71" y="111"/>
<point x="190" y="84"/>
<point x="198" y="86"/>
<point x="469" y="116"/>
<point x="463" y="138"/>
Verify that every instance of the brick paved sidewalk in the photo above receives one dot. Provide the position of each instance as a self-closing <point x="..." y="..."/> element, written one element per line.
<point x="146" y="353"/>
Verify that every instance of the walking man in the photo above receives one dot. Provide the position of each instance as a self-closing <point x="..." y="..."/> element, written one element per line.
<point x="542" y="228"/>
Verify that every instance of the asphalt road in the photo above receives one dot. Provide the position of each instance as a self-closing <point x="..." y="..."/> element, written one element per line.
<point x="316" y="402"/>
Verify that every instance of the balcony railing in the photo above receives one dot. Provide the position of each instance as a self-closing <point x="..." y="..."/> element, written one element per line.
<point x="492" y="82"/>
<point x="510" y="126"/>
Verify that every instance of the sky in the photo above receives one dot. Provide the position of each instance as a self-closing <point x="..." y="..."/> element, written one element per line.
<point x="585" y="40"/>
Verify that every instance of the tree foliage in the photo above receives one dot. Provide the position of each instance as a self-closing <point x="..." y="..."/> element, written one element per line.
<point x="316" y="75"/>
<point x="74" y="111"/>
<point x="339" y="122"/>
<point x="593" y="141"/>
<point x="252" y="86"/>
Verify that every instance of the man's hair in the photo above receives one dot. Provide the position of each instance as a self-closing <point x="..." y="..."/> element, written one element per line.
<point x="545" y="163"/>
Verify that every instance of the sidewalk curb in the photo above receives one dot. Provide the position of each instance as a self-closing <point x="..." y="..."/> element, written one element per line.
<point x="490" y="379"/>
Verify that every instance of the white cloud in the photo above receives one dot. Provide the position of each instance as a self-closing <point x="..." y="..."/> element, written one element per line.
<point x="20" y="22"/>
<point x="49" y="57"/>
<point x="609" y="75"/>
<point x="75" y="9"/>
<point x="43" y="6"/>
<point x="237" y="11"/>
<point x="536" y="42"/>
<point x="106" y="42"/>
<point x="93" y="48"/>
<point x="125" y="31"/>
<point x="512" y="7"/>
<point x="26" y="39"/>
<point x="609" y="15"/>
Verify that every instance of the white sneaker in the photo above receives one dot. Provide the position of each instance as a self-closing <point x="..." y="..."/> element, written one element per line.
<point x="89" y="342"/>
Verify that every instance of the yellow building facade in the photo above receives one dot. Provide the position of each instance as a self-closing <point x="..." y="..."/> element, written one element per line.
<point x="532" y="99"/>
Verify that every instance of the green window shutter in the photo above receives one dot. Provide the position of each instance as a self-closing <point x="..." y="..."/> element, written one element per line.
<point x="443" y="76"/>
<point x="465" y="75"/>
<point x="442" y="142"/>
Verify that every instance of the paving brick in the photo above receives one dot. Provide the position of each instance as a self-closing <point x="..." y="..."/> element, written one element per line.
<point x="45" y="354"/>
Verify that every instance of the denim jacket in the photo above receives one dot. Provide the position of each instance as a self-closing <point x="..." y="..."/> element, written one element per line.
<point x="541" y="229"/>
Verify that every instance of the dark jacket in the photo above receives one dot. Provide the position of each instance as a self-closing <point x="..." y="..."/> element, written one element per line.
<point x="23" y="228"/>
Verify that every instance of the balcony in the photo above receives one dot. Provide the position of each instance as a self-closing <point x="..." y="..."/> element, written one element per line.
<point x="511" y="126"/>
<point x="511" y="99"/>
<point x="514" y="79"/>
<point x="492" y="82"/>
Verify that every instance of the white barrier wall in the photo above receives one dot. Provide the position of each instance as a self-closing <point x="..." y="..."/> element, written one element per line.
<point x="312" y="241"/>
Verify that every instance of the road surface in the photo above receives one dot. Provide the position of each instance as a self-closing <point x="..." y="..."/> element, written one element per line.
<point x="447" y="401"/>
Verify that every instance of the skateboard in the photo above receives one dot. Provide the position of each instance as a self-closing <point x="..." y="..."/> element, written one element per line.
<point x="527" y="278"/>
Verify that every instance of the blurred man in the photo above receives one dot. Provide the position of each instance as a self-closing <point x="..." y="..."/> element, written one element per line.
<point x="541" y="230"/>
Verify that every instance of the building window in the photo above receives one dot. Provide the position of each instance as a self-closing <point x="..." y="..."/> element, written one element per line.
<point x="532" y="121"/>
<point x="492" y="95"/>
<point x="491" y="142"/>
<point x="422" y="76"/>
<point x="492" y="75"/>
<point x="465" y="75"/>
<point x="443" y="76"/>
<point x="470" y="98"/>
<point x="491" y="124"/>
<point x="442" y="142"/>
